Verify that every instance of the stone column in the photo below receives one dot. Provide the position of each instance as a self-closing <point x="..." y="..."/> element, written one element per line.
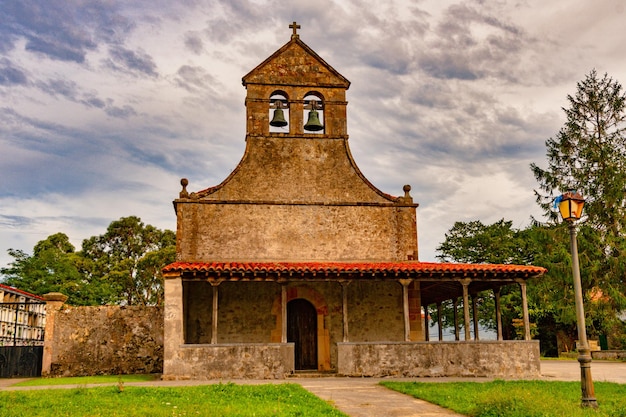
<point x="426" y="324"/>
<point x="496" y="293"/>
<point x="475" y="316"/>
<point x="455" y="306"/>
<point x="405" y="308"/>
<point x="283" y="312"/>
<point x="173" y="323"/>
<point x="214" y="316"/>
<point x="344" y="309"/>
<point x="466" y="311"/>
<point x="522" y="285"/>
<point x="440" y="321"/>
<point x="54" y="302"/>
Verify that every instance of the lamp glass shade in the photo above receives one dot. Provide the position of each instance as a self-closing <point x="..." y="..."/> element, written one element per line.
<point x="571" y="206"/>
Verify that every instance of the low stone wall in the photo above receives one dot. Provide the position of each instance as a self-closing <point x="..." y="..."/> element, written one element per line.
<point x="104" y="340"/>
<point x="608" y="355"/>
<point x="232" y="361"/>
<point x="498" y="359"/>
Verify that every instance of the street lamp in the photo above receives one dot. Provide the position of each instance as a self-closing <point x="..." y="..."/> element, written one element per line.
<point x="571" y="208"/>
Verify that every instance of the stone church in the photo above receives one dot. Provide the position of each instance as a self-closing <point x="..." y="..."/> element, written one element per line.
<point x="297" y="263"/>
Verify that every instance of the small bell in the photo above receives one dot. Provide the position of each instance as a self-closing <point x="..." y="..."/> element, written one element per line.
<point x="279" y="118"/>
<point x="313" y="124"/>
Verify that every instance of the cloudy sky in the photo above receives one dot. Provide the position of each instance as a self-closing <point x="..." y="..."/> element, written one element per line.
<point x="106" y="104"/>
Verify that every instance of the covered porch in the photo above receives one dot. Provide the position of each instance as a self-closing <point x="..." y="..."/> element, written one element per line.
<point x="350" y="336"/>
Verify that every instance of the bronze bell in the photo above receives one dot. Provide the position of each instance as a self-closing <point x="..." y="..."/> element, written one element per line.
<point x="313" y="124"/>
<point x="279" y="118"/>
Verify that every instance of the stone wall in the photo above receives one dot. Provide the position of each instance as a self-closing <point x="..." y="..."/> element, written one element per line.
<point x="232" y="361"/>
<point x="250" y="231"/>
<point x="496" y="359"/>
<point x="104" y="340"/>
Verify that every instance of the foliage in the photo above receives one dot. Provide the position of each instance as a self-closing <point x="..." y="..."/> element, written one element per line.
<point x="210" y="400"/>
<point x="129" y="256"/>
<point x="53" y="267"/>
<point x="122" y="266"/>
<point x="517" y="398"/>
<point x="475" y="242"/>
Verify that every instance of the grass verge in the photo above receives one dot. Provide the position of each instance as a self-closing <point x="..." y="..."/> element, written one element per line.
<point x="207" y="400"/>
<point x="85" y="380"/>
<point x="517" y="398"/>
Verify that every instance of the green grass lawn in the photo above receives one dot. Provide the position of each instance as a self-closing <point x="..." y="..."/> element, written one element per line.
<point x="85" y="380"/>
<point x="208" y="400"/>
<point x="517" y="398"/>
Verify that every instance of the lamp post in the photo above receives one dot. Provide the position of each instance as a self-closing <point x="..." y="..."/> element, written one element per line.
<point x="571" y="208"/>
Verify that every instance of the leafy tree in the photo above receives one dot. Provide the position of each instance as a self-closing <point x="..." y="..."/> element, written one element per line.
<point x="129" y="257"/>
<point x="475" y="242"/>
<point x="121" y="266"/>
<point x="53" y="267"/>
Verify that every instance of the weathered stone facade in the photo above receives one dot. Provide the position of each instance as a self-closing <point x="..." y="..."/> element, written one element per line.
<point x="502" y="359"/>
<point x="105" y="340"/>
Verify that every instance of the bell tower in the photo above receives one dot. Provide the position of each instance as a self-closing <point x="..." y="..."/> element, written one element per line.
<point x="297" y="193"/>
<point x="295" y="93"/>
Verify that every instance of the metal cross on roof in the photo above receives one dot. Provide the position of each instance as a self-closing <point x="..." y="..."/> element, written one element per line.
<point x="295" y="28"/>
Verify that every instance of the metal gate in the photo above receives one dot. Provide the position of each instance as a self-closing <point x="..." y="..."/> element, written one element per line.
<point x="20" y="361"/>
<point x="21" y="339"/>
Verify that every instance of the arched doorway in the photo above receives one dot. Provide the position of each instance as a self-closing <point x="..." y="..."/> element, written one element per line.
<point x="302" y="331"/>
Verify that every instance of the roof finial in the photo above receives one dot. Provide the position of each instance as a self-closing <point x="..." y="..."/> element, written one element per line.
<point x="295" y="28"/>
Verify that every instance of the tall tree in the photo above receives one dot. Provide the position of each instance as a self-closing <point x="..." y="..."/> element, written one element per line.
<point x="130" y="256"/>
<point x="589" y="154"/>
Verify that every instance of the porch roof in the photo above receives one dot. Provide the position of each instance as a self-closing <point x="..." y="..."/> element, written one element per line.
<point x="439" y="281"/>
<point x="407" y="269"/>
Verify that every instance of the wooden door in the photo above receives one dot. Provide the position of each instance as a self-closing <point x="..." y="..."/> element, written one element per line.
<point x="302" y="330"/>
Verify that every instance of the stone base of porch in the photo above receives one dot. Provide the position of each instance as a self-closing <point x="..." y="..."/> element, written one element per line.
<point x="230" y="361"/>
<point x="497" y="359"/>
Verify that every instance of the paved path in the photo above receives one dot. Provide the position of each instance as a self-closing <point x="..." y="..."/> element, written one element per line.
<point x="363" y="397"/>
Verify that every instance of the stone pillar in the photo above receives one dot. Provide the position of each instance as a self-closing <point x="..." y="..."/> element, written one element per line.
<point x="415" y="311"/>
<point x="344" y="309"/>
<point x="466" y="311"/>
<point x="475" y="316"/>
<point x="54" y="302"/>
<point x="214" y="316"/>
<point x="426" y="324"/>
<point x="455" y="306"/>
<point x="283" y="312"/>
<point x="439" y="321"/>
<point x="522" y="285"/>
<point x="496" y="293"/>
<point x="405" y="308"/>
<point x="173" y="323"/>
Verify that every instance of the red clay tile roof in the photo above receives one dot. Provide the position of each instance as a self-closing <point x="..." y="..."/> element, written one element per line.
<point x="414" y="269"/>
<point x="18" y="291"/>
